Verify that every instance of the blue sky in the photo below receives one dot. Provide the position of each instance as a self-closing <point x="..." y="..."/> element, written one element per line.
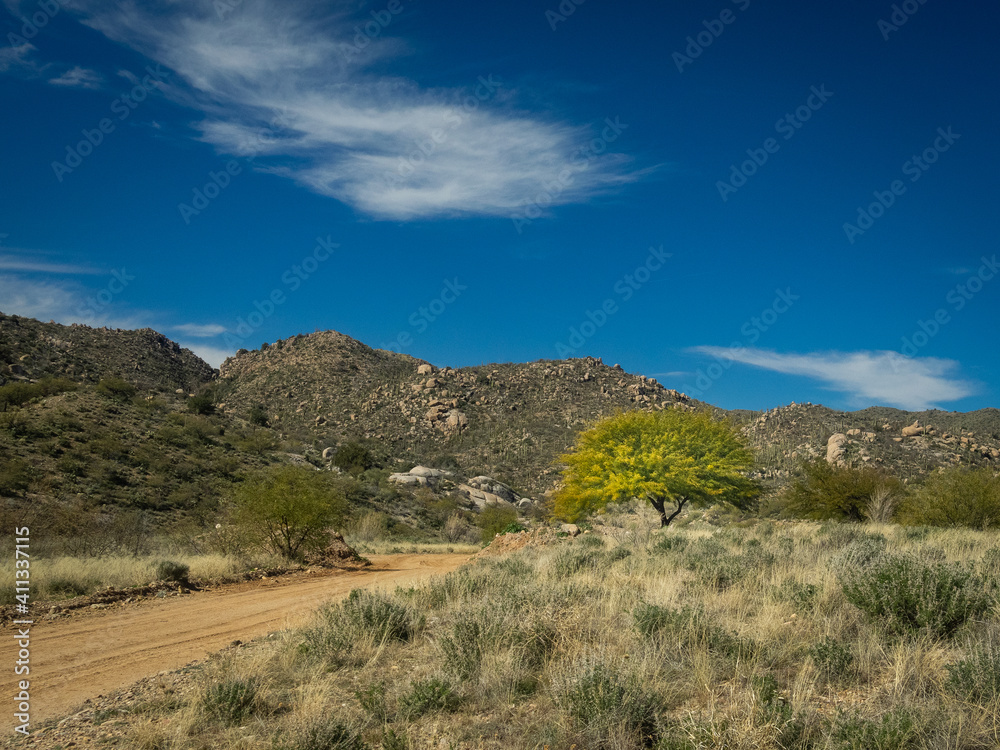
<point x="755" y="203"/>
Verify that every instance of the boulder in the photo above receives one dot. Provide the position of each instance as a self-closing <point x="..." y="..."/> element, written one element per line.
<point x="425" y="369"/>
<point x="570" y="528"/>
<point x="835" y="447"/>
<point x="913" y="430"/>
<point x="408" y="479"/>
<point x="492" y="486"/>
<point x="328" y="453"/>
<point x="426" y="471"/>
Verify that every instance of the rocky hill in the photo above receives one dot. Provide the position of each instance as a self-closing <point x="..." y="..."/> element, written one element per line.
<point x="505" y="420"/>
<point x="30" y="349"/>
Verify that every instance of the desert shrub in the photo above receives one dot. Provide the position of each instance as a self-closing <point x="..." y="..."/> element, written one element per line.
<point x="16" y="394"/>
<point x="774" y="710"/>
<point x="823" y="491"/>
<point x="802" y="596"/>
<point x="458" y="529"/>
<point x="354" y="458"/>
<point x="15" y="476"/>
<point x="374" y="613"/>
<point x="324" y="733"/>
<point x="894" y="730"/>
<point x="201" y="404"/>
<point x="570" y="562"/>
<point x="463" y="650"/>
<point x="977" y="676"/>
<point x="493" y="520"/>
<point x="956" y="497"/>
<point x="232" y="701"/>
<point x="168" y="570"/>
<point x="66" y="586"/>
<point x="116" y="389"/>
<point x="606" y="706"/>
<point x="670" y="544"/>
<point x="426" y="696"/>
<point x="832" y="658"/>
<point x="906" y="594"/>
<point x="591" y="541"/>
<point x="688" y="628"/>
<point x="373" y="702"/>
<point x="258" y="416"/>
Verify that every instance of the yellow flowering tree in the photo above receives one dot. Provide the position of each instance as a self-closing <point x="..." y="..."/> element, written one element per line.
<point x="668" y="457"/>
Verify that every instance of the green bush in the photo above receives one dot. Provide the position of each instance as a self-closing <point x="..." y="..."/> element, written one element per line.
<point x="977" y="677"/>
<point x="71" y="586"/>
<point x="353" y="458"/>
<point x="258" y="416"/>
<point x="670" y="544"/>
<point x="232" y="701"/>
<point x="823" y="491"/>
<point x="116" y="389"/>
<point x="16" y="394"/>
<point x="956" y="497"/>
<point x="373" y="613"/>
<point x="429" y="695"/>
<point x="895" y="730"/>
<point x="907" y="595"/>
<point x="168" y="570"/>
<point x="324" y="733"/>
<point x="201" y="404"/>
<point x="493" y="520"/>
<point x="832" y="658"/>
<point x="607" y="706"/>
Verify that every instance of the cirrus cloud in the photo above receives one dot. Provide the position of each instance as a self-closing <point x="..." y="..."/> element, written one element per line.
<point x="868" y="377"/>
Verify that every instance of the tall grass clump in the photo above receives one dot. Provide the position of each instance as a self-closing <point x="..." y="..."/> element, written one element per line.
<point x="907" y="595"/>
<point x="611" y="709"/>
<point x="232" y="701"/>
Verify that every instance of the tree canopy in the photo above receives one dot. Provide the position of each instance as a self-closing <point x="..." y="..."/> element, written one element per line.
<point x="289" y="507"/>
<point x="669" y="456"/>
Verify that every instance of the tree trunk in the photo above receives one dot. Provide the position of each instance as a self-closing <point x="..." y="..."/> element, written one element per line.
<point x="659" y="504"/>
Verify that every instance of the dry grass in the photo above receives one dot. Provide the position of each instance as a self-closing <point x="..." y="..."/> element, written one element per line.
<point x="63" y="577"/>
<point x="745" y="641"/>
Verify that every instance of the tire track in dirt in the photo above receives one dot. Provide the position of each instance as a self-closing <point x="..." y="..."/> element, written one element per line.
<point x="88" y="655"/>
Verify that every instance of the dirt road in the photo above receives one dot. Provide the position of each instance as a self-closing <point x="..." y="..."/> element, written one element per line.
<point x="87" y="655"/>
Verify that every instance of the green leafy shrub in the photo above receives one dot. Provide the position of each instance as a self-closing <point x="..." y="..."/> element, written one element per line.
<point x="116" y="389"/>
<point x="832" y="658"/>
<point x="977" y="676"/>
<point x="956" y="497"/>
<point x="802" y="596"/>
<point x="232" y="701"/>
<point x="321" y="734"/>
<point x="429" y="695"/>
<point x="60" y="586"/>
<point x="374" y="613"/>
<point x="463" y="650"/>
<point x="168" y="570"/>
<point x="688" y="627"/>
<point x="258" y="416"/>
<point x="670" y="544"/>
<point x="354" y="458"/>
<point x="906" y="594"/>
<point x="605" y="705"/>
<point x="372" y="700"/>
<point x="895" y="730"/>
<point x="824" y="491"/>
<point x="494" y="519"/>
<point x="201" y="404"/>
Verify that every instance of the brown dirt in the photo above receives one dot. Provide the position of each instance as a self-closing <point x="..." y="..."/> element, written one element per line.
<point x="76" y="658"/>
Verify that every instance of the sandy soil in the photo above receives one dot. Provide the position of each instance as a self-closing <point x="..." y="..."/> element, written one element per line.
<point x="86" y="655"/>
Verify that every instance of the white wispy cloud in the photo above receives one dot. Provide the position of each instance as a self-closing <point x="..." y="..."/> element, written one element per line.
<point x="868" y="377"/>
<point x="13" y="58"/>
<point x="200" y="331"/>
<point x="22" y="263"/>
<point x="81" y="78"/>
<point x="286" y="83"/>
